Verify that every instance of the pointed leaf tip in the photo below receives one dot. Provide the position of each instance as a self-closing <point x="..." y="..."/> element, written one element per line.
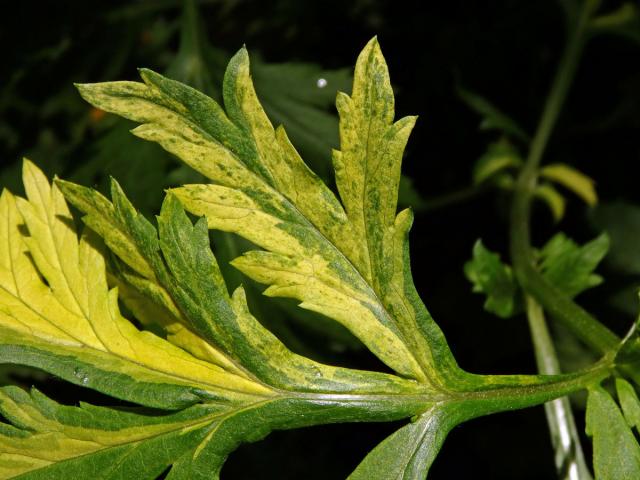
<point x="373" y="41"/>
<point x="149" y="76"/>
<point x="241" y="56"/>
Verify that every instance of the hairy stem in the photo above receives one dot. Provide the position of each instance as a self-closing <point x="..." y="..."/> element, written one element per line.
<point x="559" y="306"/>
<point x="569" y="459"/>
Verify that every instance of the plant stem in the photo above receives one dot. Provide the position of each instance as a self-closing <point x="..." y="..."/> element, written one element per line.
<point x="558" y="305"/>
<point x="451" y="198"/>
<point x="570" y="462"/>
<point x="498" y="394"/>
<point x="569" y="457"/>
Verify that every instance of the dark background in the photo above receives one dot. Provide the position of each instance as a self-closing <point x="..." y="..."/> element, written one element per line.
<point x="505" y="50"/>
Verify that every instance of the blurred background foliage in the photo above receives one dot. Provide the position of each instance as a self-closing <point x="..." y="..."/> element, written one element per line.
<point x="475" y="72"/>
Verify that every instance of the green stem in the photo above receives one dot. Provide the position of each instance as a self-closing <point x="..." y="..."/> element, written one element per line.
<point x="451" y="198"/>
<point x="499" y="394"/>
<point x="558" y="305"/>
<point x="570" y="462"/>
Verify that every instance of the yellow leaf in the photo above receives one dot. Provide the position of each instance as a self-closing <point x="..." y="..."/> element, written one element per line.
<point x="554" y="200"/>
<point x="573" y="179"/>
<point x="74" y="309"/>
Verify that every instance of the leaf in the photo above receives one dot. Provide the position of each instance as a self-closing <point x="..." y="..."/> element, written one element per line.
<point x="574" y="180"/>
<point x="569" y="266"/>
<point x="629" y="402"/>
<point x="408" y="453"/>
<point x="621" y="221"/>
<point x="49" y="440"/>
<point x="201" y="293"/>
<point x="72" y="328"/>
<point x="346" y="258"/>
<point x="135" y="276"/>
<point x="552" y="198"/>
<point x="298" y="96"/>
<point x="616" y="453"/>
<point x="185" y="269"/>
<point x="493" y="278"/>
<point x="349" y="263"/>
<point x="71" y="325"/>
<point x="492" y="117"/>
<point x="499" y="157"/>
<point x="138" y="366"/>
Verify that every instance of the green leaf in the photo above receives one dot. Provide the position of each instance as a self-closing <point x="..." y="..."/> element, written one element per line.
<point x="570" y="266"/>
<point x="492" y="117"/>
<point x="573" y="179"/>
<point x="408" y="453"/>
<point x="616" y="453"/>
<point x="49" y="440"/>
<point x="348" y="263"/>
<point x="500" y="156"/>
<point x="621" y="221"/>
<point x="490" y="276"/>
<point x="629" y="402"/>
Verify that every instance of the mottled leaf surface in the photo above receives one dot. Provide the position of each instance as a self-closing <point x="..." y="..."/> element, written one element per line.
<point x="616" y="453"/>
<point x="55" y="302"/>
<point x="215" y="375"/>
<point x="345" y="258"/>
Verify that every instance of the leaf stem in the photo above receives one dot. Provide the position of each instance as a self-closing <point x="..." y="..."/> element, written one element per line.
<point x="569" y="458"/>
<point x="487" y="394"/>
<point x="559" y="306"/>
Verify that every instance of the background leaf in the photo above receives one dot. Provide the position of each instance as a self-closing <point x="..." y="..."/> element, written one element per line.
<point x="492" y="117"/>
<point x="500" y="156"/>
<point x="574" y="180"/>
<point x="569" y="266"/>
<point x="490" y="276"/>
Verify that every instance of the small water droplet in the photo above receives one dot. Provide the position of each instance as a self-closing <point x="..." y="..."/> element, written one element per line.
<point x="321" y="83"/>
